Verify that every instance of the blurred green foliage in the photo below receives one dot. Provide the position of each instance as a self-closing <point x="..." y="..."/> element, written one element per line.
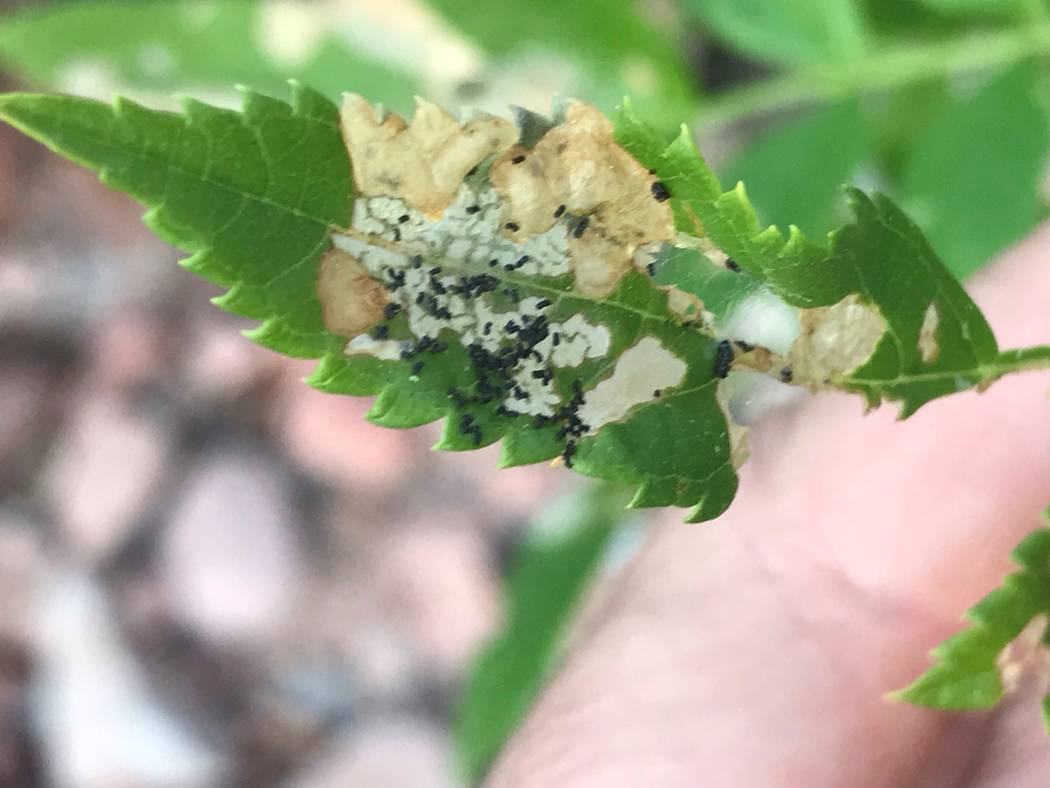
<point x="563" y="549"/>
<point x="940" y="103"/>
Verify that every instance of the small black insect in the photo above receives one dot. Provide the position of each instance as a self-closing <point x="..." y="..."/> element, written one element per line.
<point x="567" y="455"/>
<point x="512" y="226"/>
<point x="786" y="375"/>
<point x="559" y="211"/>
<point x="487" y="329"/>
<point x="723" y="358"/>
<point x="390" y="310"/>
<point x="417" y="367"/>
<point x="517" y="160"/>
<point x="397" y="233"/>
<point x="435" y="270"/>
<point x="473" y="209"/>
<point x="555" y="339"/>
<point x="657" y="393"/>
<point x="660" y="191"/>
<point x="581" y="226"/>
<point x="732" y="265"/>
<point x="402" y="218"/>
<point x="651" y="268"/>
<point x="417" y="261"/>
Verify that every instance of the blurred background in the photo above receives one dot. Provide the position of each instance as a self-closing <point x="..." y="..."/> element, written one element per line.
<point x="211" y="575"/>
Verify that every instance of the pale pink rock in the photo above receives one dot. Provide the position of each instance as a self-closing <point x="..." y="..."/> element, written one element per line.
<point x="104" y="471"/>
<point x="328" y="434"/>
<point x="437" y="584"/>
<point x="99" y="722"/>
<point x="127" y="348"/>
<point x="386" y="753"/>
<point x="23" y="567"/>
<point x="23" y="392"/>
<point x="223" y="364"/>
<point x="231" y="563"/>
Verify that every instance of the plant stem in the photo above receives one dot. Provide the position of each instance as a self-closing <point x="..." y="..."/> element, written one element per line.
<point x="1023" y="360"/>
<point x="886" y="69"/>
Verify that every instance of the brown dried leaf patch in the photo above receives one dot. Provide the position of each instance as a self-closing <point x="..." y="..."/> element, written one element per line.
<point x="351" y="300"/>
<point x="423" y="162"/>
<point x="577" y="168"/>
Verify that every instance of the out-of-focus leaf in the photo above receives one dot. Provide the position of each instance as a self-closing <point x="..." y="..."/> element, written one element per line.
<point x="618" y="50"/>
<point x="974" y="175"/>
<point x="967" y="673"/>
<point x="795" y="171"/>
<point x="793" y="32"/>
<point x="563" y="549"/>
<point x="99" y="47"/>
<point x="888" y="19"/>
<point x="1007" y="8"/>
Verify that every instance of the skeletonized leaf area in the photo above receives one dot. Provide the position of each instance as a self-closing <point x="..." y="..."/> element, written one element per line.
<point x="505" y="283"/>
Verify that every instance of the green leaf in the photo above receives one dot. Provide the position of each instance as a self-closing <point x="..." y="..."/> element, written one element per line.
<point x="252" y="195"/>
<point x="550" y="575"/>
<point x="793" y="32"/>
<point x="796" y="170"/>
<point x="693" y="272"/>
<point x="934" y="340"/>
<point x="198" y="48"/>
<point x="975" y="173"/>
<point x="1019" y="9"/>
<point x="617" y="49"/>
<point x="967" y="673"/>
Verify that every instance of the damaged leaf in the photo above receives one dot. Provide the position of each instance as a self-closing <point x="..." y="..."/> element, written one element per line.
<point x="515" y="306"/>
<point x="555" y="285"/>
<point x="351" y="300"/>
<point x="881" y="314"/>
<point x="423" y="162"/>
<point x="438" y="289"/>
<point x="1007" y="628"/>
